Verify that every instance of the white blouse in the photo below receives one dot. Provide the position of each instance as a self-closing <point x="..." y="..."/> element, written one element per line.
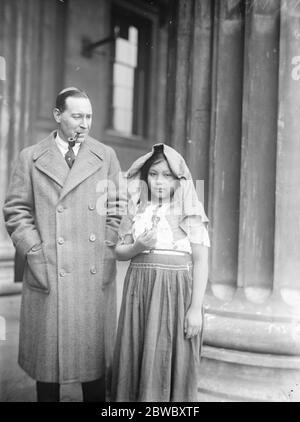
<point x="172" y="231"/>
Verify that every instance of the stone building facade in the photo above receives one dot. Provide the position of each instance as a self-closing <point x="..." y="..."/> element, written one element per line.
<point x="219" y="80"/>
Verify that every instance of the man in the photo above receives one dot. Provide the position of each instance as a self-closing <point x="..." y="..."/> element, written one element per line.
<point x="68" y="310"/>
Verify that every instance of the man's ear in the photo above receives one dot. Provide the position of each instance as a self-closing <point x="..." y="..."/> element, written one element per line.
<point x="57" y="115"/>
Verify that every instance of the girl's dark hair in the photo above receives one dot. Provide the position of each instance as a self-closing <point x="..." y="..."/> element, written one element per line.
<point x="156" y="158"/>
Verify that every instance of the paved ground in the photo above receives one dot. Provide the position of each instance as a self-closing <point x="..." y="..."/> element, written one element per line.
<point x="15" y="385"/>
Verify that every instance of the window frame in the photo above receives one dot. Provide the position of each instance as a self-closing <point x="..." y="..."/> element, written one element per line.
<point x="111" y="135"/>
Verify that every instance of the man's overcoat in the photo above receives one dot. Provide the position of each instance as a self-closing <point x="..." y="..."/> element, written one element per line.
<point x="64" y="222"/>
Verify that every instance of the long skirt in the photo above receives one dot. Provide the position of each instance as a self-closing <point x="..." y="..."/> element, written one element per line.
<point x="153" y="361"/>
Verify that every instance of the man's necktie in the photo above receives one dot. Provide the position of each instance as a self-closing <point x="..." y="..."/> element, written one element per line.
<point x="70" y="156"/>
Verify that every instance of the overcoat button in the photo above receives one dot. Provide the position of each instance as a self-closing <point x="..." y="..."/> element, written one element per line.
<point x="60" y="208"/>
<point x="60" y="241"/>
<point x="62" y="273"/>
<point x="93" y="270"/>
<point x="92" y="237"/>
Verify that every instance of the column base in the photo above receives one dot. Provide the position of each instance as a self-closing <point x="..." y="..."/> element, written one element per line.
<point x="233" y="376"/>
<point x="251" y="345"/>
<point x="240" y="322"/>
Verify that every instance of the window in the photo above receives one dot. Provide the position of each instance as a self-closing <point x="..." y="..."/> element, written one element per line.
<point x="131" y="66"/>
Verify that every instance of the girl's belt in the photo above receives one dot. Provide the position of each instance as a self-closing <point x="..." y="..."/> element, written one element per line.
<point x="166" y="252"/>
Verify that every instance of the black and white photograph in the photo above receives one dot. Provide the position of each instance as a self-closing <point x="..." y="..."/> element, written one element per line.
<point x="150" y="196"/>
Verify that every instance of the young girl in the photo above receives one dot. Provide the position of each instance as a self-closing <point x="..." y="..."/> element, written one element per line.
<point x="158" y="342"/>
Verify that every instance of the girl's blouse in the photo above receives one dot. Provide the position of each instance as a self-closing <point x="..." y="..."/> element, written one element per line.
<point x="173" y="231"/>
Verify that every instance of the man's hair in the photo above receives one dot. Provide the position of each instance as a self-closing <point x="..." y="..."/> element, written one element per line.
<point x="60" y="102"/>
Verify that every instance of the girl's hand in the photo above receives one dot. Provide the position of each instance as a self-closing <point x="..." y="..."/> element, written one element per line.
<point x="193" y="322"/>
<point x="145" y="241"/>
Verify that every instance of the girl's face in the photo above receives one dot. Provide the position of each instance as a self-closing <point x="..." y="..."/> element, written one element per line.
<point x="161" y="182"/>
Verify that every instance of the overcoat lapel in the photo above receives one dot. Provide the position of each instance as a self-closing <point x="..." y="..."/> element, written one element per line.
<point x="49" y="160"/>
<point x="88" y="161"/>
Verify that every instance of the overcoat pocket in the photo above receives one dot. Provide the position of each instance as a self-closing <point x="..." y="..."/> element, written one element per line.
<point x="36" y="271"/>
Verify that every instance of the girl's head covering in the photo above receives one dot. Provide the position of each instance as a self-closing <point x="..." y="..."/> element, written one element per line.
<point x="175" y="161"/>
<point x="185" y="196"/>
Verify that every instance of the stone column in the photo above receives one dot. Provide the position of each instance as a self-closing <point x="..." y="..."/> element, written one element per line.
<point x="198" y="116"/>
<point x="287" y="223"/>
<point x="178" y="72"/>
<point x="226" y="146"/>
<point x="251" y="335"/>
<point x="19" y="49"/>
<point x="260" y="108"/>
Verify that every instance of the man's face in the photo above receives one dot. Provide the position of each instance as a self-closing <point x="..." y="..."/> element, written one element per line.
<point x="76" y="118"/>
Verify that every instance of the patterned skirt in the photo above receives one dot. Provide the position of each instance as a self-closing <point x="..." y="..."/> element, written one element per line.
<point x="153" y="361"/>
